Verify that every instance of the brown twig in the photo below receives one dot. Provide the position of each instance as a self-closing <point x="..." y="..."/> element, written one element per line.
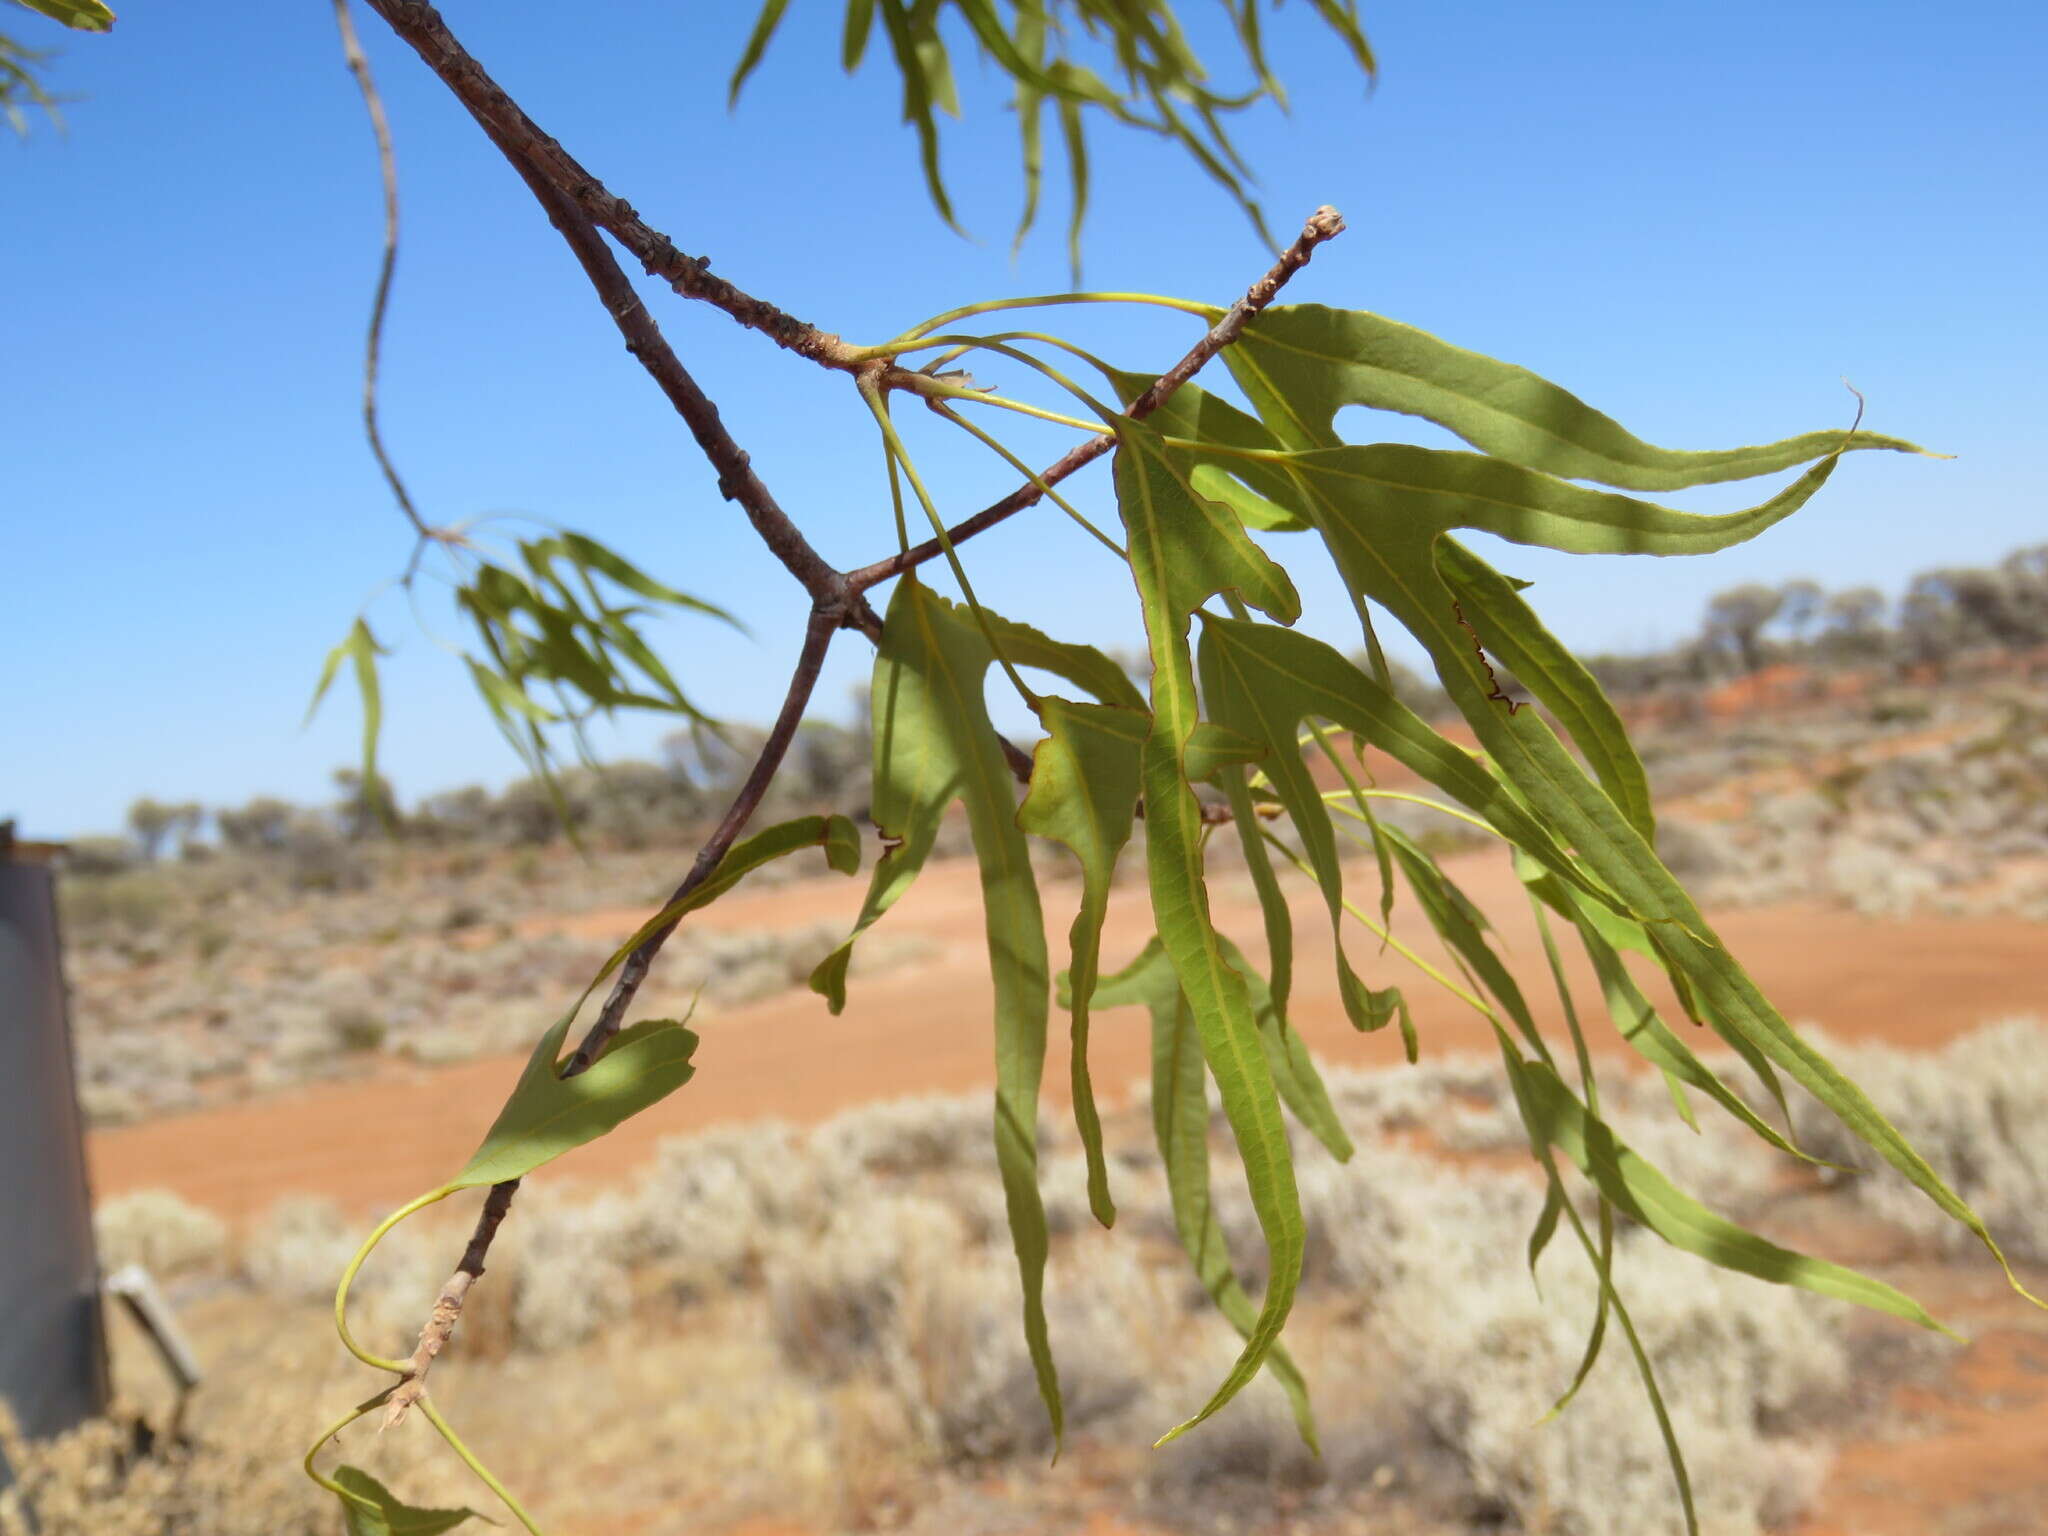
<point x="518" y="135"/>
<point x="1324" y="224"/>
<point x="373" y="346"/>
<point x="818" y="634"/>
<point x="579" y="206"/>
<point x="412" y="1386"/>
<point x="737" y="481"/>
<point x="825" y="622"/>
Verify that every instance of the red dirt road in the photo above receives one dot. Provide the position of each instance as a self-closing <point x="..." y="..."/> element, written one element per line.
<point x="922" y="1028"/>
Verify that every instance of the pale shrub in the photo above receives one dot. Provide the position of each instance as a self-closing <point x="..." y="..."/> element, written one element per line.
<point x="296" y="1251"/>
<point x="1483" y="1358"/>
<point x="896" y="1291"/>
<point x="711" y="1204"/>
<point x="570" y="1276"/>
<point x="923" y="1134"/>
<point x="159" y="1231"/>
<point x="1978" y="1112"/>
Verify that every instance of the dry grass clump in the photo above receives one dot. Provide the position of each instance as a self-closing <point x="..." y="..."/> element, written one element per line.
<point x="825" y="1327"/>
<point x="159" y="1231"/>
<point x="1978" y="1110"/>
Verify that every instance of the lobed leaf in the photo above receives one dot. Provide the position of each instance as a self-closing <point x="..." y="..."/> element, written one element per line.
<point x="1300" y="363"/>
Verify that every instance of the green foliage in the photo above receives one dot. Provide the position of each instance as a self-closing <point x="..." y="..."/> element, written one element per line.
<point x="1157" y="83"/>
<point x="1235" y="700"/>
<point x="19" y="63"/>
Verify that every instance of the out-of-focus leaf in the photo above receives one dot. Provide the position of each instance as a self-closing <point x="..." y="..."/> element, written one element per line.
<point x="934" y="745"/>
<point x="757" y="44"/>
<point x="370" y="1509"/>
<point x="79" y="15"/>
<point x="1159" y="86"/>
<point x="359" y="647"/>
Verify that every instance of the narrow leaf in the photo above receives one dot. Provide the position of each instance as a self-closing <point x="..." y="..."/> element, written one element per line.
<point x="934" y="744"/>
<point x="1084" y="793"/>
<point x="1301" y="363"/>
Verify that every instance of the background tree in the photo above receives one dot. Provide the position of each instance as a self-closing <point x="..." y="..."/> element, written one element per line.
<point x="1735" y="621"/>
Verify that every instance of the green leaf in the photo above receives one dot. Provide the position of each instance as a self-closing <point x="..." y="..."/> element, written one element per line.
<point x="934" y="745"/>
<point x="1295" y="1076"/>
<point x="360" y="648"/>
<point x="1180" y="1126"/>
<point x="1558" y="680"/>
<point x="1382" y="512"/>
<point x="1082" y="665"/>
<point x="853" y="38"/>
<point x="757" y="44"/>
<point x="1269" y="705"/>
<point x="1331" y="688"/>
<point x="1300" y="363"/>
<point x="1639" y="1191"/>
<point x="370" y="1509"/>
<point x="1183" y="550"/>
<point x="79" y="15"/>
<point x="548" y="1114"/>
<point x="1084" y="793"/>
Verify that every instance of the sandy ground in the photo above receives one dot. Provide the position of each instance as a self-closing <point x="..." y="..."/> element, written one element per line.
<point x="1962" y="1454"/>
<point x="922" y="1028"/>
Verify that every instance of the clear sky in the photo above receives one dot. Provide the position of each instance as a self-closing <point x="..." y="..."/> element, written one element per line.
<point x="1699" y="218"/>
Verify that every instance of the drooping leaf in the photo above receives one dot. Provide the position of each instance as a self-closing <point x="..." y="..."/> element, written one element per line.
<point x="1382" y="511"/>
<point x="933" y="745"/>
<point x="1639" y="1191"/>
<point x="757" y="44"/>
<point x="1295" y="1076"/>
<point x="1084" y="793"/>
<point x="360" y="648"/>
<point x="1258" y="702"/>
<point x="1183" y="550"/>
<point x="368" y="1508"/>
<point x="79" y="15"/>
<point x="1180" y="1126"/>
<point x="1300" y="363"/>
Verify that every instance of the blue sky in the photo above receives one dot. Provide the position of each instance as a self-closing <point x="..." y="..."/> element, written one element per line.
<point x="1701" y="219"/>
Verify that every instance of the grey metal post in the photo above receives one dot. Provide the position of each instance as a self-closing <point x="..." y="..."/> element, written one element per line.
<point x="53" y="1348"/>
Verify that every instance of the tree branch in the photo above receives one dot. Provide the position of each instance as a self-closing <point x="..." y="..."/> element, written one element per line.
<point x="737" y="481"/>
<point x="519" y="137"/>
<point x="826" y="621"/>
<point x="1324" y="224"/>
